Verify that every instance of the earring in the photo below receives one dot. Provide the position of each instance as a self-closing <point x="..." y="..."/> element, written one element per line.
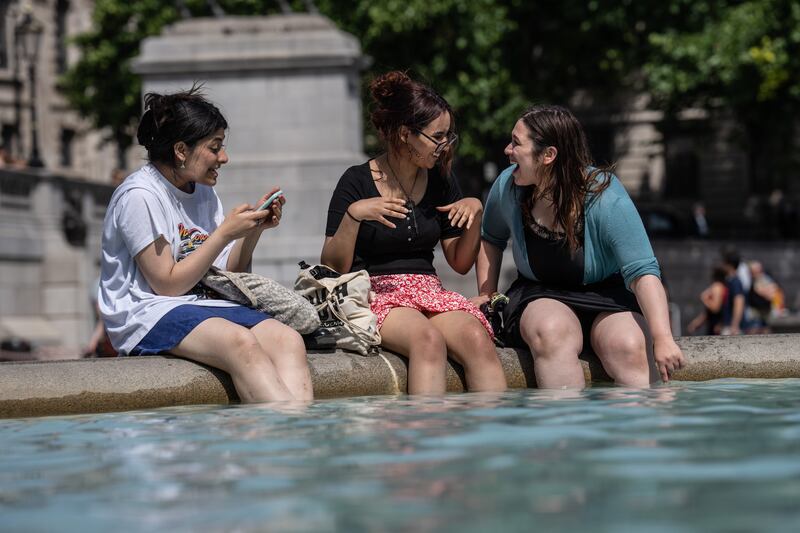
<point x="183" y="164"/>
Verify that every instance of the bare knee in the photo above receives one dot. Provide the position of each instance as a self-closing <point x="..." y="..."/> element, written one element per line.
<point x="428" y="346"/>
<point x="629" y="349"/>
<point x="481" y="349"/>
<point x="283" y="344"/>
<point x="244" y="349"/>
<point x="624" y="357"/>
<point x="552" y="337"/>
<point x="287" y="339"/>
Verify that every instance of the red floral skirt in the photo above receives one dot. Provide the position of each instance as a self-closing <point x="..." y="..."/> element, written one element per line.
<point x="423" y="292"/>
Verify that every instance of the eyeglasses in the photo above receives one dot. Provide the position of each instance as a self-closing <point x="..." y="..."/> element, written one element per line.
<point x="411" y="217"/>
<point x="442" y="145"/>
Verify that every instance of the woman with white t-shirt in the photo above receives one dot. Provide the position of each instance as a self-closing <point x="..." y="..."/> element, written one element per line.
<point x="163" y="229"/>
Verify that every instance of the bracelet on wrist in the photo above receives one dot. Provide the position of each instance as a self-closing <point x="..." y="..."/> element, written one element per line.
<point x="347" y="211"/>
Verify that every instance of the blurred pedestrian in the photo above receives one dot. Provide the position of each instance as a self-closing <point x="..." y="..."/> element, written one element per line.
<point x="7" y="160"/>
<point x="766" y="298"/>
<point x="117" y="176"/>
<point x="701" y="228"/>
<point x="731" y="255"/>
<point x="733" y="310"/>
<point x="98" y="344"/>
<point x="713" y="298"/>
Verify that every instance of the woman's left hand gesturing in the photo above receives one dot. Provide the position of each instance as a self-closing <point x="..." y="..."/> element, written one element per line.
<point x="463" y="212"/>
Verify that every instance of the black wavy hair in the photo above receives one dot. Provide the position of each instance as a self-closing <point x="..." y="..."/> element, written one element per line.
<point x="171" y="118"/>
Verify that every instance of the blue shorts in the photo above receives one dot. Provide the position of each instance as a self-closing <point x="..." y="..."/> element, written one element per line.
<point x="175" y="325"/>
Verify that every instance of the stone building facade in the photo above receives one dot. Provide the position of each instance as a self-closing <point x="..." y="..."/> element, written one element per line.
<point x="50" y="228"/>
<point x="68" y="144"/>
<point x="50" y="217"/>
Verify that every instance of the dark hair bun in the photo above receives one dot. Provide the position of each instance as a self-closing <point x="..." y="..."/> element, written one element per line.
<point x="386" y="87"/>
<point x="157" y="112"/>
<point x="398" y="101"/>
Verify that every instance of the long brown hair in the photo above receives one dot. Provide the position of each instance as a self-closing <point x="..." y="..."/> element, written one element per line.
<point x="571" y="175"/>
<point x="400" y="101"/>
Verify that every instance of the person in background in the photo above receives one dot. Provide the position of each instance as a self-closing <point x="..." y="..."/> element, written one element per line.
<point x="713" y="298"/>
<point x="731" y="255"/>
<point x="766" y="298"/>
<point x="388" y="214"/>
<point x="7" y="160"/>
<point x="117" y="177"/>
<point x="734" y="321"/>
<point x="164" y="228"/>
<point x="701" y="228"/>
<point x="5" y="157"/>
<point x="588" y="279"/>
<point x="98" y="345"/>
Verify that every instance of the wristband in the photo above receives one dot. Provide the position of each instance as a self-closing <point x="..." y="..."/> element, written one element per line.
<point x="347" y="211"/>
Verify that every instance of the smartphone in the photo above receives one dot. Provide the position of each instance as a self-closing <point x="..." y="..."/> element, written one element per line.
<point x="271" y="199"/>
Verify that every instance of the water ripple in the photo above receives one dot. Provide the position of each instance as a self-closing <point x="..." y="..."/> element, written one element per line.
<point x="712" y="456"/>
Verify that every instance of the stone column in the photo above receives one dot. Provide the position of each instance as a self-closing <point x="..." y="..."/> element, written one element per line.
<point x="289" y="88"/>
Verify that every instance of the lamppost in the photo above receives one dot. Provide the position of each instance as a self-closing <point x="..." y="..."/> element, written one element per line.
<point x="29" y="38"/>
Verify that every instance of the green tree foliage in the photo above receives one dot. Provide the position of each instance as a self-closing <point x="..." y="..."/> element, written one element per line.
<point x="600" y="45"/>
<point x="490" y="58"/>
<point x="744" y="55"/>
<point x="101" y="85"/>
<point x="745" y="61"/>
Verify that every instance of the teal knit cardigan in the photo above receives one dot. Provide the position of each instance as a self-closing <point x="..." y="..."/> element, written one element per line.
<point x="614" y="238"/>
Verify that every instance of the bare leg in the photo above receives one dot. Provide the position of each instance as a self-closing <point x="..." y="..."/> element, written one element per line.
<point x="621" y="342"/>
<point x="410" y="333"/>
<point x="288" y="353"/>
<point x="553" y="333"/>
<point x="470" y="344"/>
<point x="222" y="344"/>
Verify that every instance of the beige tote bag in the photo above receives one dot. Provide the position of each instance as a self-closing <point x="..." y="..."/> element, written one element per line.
<point x="342" y="301"/>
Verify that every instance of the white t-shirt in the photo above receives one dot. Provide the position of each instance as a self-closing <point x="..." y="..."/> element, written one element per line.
<point x="743" y="273"/>
<point x="143" y="208"/>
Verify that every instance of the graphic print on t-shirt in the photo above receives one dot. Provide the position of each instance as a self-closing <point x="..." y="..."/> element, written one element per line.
<point x="190" y="239"/>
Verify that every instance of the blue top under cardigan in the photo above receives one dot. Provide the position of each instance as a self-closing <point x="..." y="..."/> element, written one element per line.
<point x="614" y="236"/>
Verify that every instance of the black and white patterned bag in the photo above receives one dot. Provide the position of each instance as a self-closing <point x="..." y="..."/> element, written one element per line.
<point x="342" y="301"/>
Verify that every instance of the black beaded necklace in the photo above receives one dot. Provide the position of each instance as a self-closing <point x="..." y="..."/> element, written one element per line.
<point x="413" y="185"/>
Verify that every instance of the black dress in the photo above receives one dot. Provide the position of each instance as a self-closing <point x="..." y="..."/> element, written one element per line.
<point x="560" y="277"/>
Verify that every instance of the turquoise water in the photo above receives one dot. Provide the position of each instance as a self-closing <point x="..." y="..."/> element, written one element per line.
<point x="713" y="456"/>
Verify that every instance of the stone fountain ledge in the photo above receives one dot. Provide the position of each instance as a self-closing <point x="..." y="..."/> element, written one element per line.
<point x="44" y="388"/>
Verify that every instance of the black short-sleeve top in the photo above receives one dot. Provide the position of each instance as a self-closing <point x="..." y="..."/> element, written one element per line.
<point x="407" y="249"/>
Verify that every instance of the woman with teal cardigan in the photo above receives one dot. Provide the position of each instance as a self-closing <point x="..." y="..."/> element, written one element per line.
<point x="588" y="279"/>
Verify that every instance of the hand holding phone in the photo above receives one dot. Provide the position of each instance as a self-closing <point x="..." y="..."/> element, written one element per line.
<point x="274" y="197"/>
